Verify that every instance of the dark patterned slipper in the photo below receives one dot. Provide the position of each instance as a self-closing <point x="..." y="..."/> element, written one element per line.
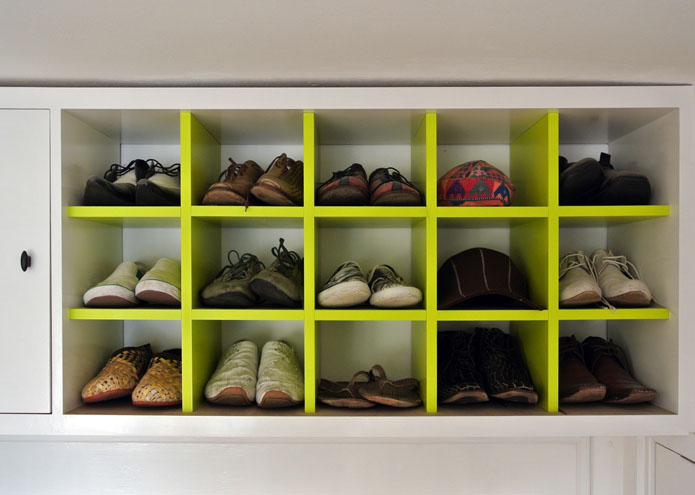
<point x="345" y="394"/>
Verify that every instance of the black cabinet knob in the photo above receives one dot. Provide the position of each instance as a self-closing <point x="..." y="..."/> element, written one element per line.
<point x="25" y="261"/>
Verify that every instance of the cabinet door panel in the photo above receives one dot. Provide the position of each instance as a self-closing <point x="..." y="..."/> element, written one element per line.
<point x="25" y="328"/>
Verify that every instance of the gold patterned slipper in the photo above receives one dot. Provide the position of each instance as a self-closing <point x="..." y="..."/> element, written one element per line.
<point x="119" y="376"/>
<point x="161" y="385"/>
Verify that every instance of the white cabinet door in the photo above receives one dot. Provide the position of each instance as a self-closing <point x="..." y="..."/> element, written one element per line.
<point x="673" y="473"/>
<point x="25" y="325"/>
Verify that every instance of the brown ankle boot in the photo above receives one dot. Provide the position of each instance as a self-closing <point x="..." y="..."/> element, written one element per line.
<point x="577" y="384"/>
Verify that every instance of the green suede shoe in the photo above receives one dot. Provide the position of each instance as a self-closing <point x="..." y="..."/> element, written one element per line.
<point x="162" y="284"/>
<point x="280" y="377"/>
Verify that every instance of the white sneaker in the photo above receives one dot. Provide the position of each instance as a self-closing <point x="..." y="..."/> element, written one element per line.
<point x="578" y="283"/>
<point x="234" y="381"/>
<point x="118" y="289"/>
<point x="346" y="287"/>
<point x="389" y="290"/>
<point x="162" y="284"/>
<point x="619" y="280"/>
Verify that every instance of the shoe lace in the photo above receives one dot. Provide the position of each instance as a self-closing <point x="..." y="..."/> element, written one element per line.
<point x="157" y="168"/>
<point x="570" y="261"/>
<point x="285" y="260"/>
<point x="282" y="161"/>
<point x="609" y="349"/>
<point x="395" y="174"/>
<point x="118" y="170"/>
<point x="571" y="347"/>
<point x="233" y="170"/>
<point x="620" y="262"/>
<point x="236" y="271"/>
<point x="351" y="170"/>
<point x="389" y="274"/>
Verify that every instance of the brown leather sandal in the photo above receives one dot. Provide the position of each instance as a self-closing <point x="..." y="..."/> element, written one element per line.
<point x="399" y="393"/>
<point x="345" y="394"/>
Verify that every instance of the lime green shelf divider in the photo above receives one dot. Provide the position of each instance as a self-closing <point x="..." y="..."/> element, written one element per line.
<point x="97" y="212"/>
<point x="219" y="212"/>
<point x="370" y="315"/>
<point x="248" y="314"/>
<point x="654" y="313"/>
<point x="628" y="211"/>
<point x="492" y="212"/>
<point x="312" y="373"/>
<point x="124" y="314"/>
<point x="370" y="211"/>
<point x="492" y="315"/>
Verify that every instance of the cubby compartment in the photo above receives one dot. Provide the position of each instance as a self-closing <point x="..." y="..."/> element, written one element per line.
<point x="372" y="138"/>
<point x="211" y="338"/>
<point x="517" y="142"/>
<point x="346" y="347"/>
<point x="533" y="338"/>
<point x="258" y="135"/>
<point x="87" y="346"/>
<point x="651" y="348"/>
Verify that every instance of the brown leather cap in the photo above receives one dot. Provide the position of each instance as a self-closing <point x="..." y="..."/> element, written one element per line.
<point x="486" y="275"/>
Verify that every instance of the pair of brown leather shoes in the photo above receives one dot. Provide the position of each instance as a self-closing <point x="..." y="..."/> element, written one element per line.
<point x="597" y="370"/>
<point x="280" y="185"/>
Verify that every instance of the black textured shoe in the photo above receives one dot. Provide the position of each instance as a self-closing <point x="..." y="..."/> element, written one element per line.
<point x="282" y="282"/>
<point x="458" y="378"/>
<point x="160" y="187"/>
<point x="579" y="181"/>
<point x="502" y="365"/>
<point x="117" y="187"/>
<point x="231" y="286"/>
<point x="620" y="187"/>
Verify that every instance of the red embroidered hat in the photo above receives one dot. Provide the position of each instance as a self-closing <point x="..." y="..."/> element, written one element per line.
<point x="475" y="183"/>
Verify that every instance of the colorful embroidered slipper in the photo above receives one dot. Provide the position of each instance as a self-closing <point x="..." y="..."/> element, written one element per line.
<point x="344" y="394"/>
<point x="399" y="393"/>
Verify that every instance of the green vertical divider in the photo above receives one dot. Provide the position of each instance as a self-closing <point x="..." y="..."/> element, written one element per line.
<point x="424" y="269"/>
<point x="200" y="255"/>
<point x="311" y="357"/>
<point x="534" y="247"/>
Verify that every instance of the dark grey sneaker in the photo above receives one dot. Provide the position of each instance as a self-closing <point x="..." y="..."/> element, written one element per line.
<point x="389" y="290"/>
<point x="283" y="282"/>
<point x="502" y="365"/>
<point x="346" y="287"/>
<point x="231" y="287"/>
<point x="458" y="378"/>
<point x="117" y="187"/>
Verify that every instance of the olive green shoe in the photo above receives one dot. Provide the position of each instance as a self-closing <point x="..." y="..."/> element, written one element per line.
<point x="234" y="381"/>
<point x="162" y="284"/>
<point x="231" y="287"/>
<point x="280" y="378"/>
<point x="283" y="282"/>
<point x="118" y="289"/>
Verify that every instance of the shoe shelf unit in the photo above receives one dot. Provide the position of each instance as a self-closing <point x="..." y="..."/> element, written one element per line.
<point x="423" y="132"/>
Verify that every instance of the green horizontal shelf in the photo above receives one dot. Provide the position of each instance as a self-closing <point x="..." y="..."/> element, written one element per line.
<point x="127" y="215"/>
<point x="370" y="211"/>
<point x="612" y="214"/>
<point x="654" y="313"/>
<point x="370" y="315"/>
<point x="124" y="314"/>
<point x="492" y="315"/>
<point x="247" y="314"/>
<point x="218" y="212"/>
<point x="492" y="211"/>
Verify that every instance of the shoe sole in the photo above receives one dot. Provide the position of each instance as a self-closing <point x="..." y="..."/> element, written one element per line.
<point x="588" y="394"/>
<point x="467" y="397"/>
<point x="111" y="394"/>
<point x="397" y="198"/>
<point x="109" y="296"/>
<point x="635" y="299"/>
<point x="276" y="399"/>
<point x="518" y="395"/>
<point x="344" y="196"/>
<point x="231" y="396"/>
<point x="271" y="294"/>
<point x="344" y="295"/>
<point x="158" y="292"/>
<point x="229" y="300"/>
<point x="396" y="297"/>
<point x="582" y="299"/>
<point x="157" y="404"/>
<point x="636" y="397"/>
<point x="271" y="195"/>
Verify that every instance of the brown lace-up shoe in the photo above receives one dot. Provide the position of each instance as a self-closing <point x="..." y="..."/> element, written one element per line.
<point x="577" y="384"/>
<point x="234" y="184"/>
<point x="282" y="183"/>
<point x="608" y="362"/>
<point x="119" y="376"/>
